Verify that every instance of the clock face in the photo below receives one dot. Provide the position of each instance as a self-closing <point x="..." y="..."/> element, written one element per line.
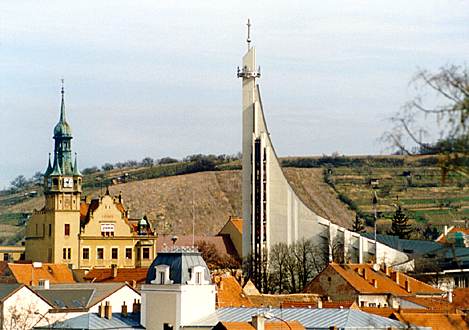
<point x="68" y="182"/>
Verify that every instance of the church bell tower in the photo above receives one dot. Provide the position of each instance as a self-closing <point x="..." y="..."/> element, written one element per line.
<point x="52" y="232"/>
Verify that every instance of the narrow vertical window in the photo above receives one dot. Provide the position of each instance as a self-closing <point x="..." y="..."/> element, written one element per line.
<point x="67" y="229"/>
<point x="86" y="253"/>
<point x="114" y="253"/>
<point x="128" y="253"/>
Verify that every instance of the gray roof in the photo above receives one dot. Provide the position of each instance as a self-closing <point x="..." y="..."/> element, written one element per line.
<point x="408" y="246"/>
<point x="180" y="263"/>
<point x="316" y="318"/>
<point x="78" y="295"/>
<point x="92" y="321"/>
<point x="8" y="289"/>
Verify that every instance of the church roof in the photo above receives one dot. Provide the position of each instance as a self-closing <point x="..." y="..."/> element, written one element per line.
<point x="62" y="129"/>
<point x="180" y="264"/>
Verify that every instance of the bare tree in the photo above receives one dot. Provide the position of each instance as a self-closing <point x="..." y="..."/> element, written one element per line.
<point x="445" y="101"/>
<point x="22" y="317"/>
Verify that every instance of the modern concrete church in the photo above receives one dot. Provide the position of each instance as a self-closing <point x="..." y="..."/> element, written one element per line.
<point x="272" y="211"/>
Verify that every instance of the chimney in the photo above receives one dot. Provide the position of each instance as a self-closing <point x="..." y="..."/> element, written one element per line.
<point x="387" y="270"/>
<point x="446" y="230"/>
<point x="395" y="277"/>
<point x="450" y="296"/>
<point x="407" y="285"/>
<point x="258" y="322"/>
<point x="108" y="310"/>
<point x="136" y="306"/>
<point x="114" y="270"/>
<point x="124" y="310"/>
<point x="374" y="282"/>
<point x="319" y="303"/>
<point x="101" y="310"/>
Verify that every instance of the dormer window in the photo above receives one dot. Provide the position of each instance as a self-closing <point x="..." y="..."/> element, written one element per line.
<point x="162" y="275"/>
<point x="197" y="276"/>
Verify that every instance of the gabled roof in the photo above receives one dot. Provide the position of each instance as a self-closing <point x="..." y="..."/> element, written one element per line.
<point x="123" y="275"/>
<point x="7" y="290"/>
<point x="444" y="238"/>
<point x="437" y="321"/>
<point x="319" y="318"/>
<point x="236" y="222"/>
<point x="276" y="325"/>
<point x="230" y="293"/>
<point x="362" y="276"/>
<point x="222" y="243"/>
<point x="461" y="298"/>
<point x="73" y="295"/>
<point x="92" y="321"/>
<point x="30" y="274"/>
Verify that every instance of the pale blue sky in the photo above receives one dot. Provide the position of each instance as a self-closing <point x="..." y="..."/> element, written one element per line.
<point x="157" y="78"/>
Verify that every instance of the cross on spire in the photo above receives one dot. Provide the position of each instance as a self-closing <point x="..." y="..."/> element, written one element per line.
<point x="249" y="33"/>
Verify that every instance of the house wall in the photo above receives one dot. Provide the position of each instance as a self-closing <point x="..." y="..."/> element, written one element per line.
<point x="329" y="283"/>
<point x="22" y="310"/>
<point x="11" y="253"/>
<point x="116" y="300"/>
<point x="368" y="300"/>
<point x="235" y="236"/>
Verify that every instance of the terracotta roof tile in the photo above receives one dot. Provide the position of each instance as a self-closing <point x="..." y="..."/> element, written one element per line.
<point x="287" y="325"/>
<point x="237" y="223"/>
<point x="444" y="238"/>
<point x="277" y="300"/>
<point x="222" y="243"/>
<point x="230" y="293"/>
<point x="434" y="303"/>
<point x="123" y="275"/>
<point x="354" y="274"/>
<point x="461" y="298"/>
<point x="437" y="321"/>
<point x="55" y="273"/>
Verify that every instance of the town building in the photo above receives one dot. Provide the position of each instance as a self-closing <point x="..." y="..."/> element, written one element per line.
<point x="83" y="233"/>
<point x="371" y="286"/>
<point x="20" y="307"/>
<point x="11" y="253"/>
<point x="178" y="290"/>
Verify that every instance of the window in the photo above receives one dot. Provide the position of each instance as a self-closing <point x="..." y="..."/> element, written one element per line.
<point x="198" y="277"/>
<point x="114" y="253"/>
<point x="161" y="276"/>
<point x="86" y="253"/>
<point x="100" y="253"/>
<point x="67" y="229"/>
<point x="64" y="253"/>
<point x="128" y="253"/>
<point x="167" y="326"/>
<point x="50" y="230"/>
<point x="6" y="257"/>
<point x="146" y="253"/>
<point x="69" y="253"/>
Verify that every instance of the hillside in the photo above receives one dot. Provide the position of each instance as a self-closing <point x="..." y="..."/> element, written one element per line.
<point x="168" y="193"/>
<point x="215" y="196"/>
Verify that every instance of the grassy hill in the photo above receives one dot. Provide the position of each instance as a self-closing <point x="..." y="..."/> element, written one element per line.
<point x="334" y="187"/>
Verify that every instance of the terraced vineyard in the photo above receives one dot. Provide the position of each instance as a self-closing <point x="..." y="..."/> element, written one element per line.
<point x="419" y="189"/>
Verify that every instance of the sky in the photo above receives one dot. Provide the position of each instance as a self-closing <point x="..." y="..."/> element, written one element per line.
<point x="158" y="78"/>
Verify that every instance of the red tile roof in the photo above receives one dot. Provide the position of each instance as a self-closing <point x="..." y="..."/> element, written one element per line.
<point x="364" y="279"/>
<point x="222" y="243"/>
<point x="437" y="321"/>
<point x="128" y="275"/>
<point x="444" y="238"/>
<point x="461" y="298"/>
<point x="30" y="275"/>
<point x="287" y="325"/>
<point x="230" y="293"/>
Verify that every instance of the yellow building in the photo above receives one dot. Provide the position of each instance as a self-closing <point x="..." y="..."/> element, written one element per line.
<point x="88" y="233"/>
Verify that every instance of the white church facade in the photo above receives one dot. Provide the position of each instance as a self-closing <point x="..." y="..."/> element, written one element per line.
<point x="272" y="211"/>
